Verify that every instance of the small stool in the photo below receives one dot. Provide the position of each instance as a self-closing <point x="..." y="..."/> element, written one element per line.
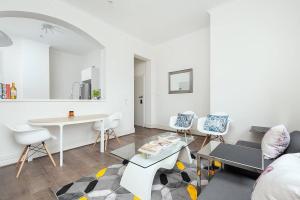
<point x="28" y="136"/>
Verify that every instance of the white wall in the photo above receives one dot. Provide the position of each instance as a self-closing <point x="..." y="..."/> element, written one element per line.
<point x="11" y="64"/>
<point x="255" y="63"/>
<point x="189" y="51"/>
<point x="35" y="70"/>
<point x="26" y="63"/>
<point x="65" y="69"/>
<point x="120" y="49"/>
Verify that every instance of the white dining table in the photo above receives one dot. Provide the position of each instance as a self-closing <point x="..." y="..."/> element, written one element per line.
<point x="63" y="121"/>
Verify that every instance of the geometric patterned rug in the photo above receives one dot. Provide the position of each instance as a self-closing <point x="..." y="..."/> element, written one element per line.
<point x="176" y="184"/>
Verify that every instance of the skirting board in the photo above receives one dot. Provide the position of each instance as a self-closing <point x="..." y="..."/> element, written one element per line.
<point x="9" y="159"/>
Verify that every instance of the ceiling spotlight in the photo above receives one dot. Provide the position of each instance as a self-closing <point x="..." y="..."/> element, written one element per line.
<point x="5" y="40"/>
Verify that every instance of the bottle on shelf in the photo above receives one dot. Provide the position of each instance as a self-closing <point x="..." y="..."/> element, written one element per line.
<point x="3" y="91"/>
<point x="7" y="91"/>
<point x="13" y="91"/>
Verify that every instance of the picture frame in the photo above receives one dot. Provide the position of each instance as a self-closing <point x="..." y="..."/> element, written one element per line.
<point x="181" y="81"/>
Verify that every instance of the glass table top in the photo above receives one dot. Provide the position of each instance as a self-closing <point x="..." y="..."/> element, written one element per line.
<point x="132" y="152"/>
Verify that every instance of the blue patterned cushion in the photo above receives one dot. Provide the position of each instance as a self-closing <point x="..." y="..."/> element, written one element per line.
<point x="184" y="120"/>
<point x="216" y="123"/>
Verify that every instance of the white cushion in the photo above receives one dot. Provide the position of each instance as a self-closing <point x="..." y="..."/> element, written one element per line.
<point x="275" y="141"/>
<point x="280" y="180"/>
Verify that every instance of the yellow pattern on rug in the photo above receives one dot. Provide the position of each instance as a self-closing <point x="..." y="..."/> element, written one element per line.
<point x="180" y="165"/>
<point x="83" y="198"/>
<point x="101" y="173"/>
<point x="218" y="164"/>
<point x="192" y="192"/>
<point x="136" y="198"/>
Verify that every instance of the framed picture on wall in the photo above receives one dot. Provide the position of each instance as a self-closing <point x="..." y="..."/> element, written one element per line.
<point x="181" y="81"/>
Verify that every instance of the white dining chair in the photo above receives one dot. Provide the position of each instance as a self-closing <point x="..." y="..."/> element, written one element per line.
<point x="211" y="135"/>
<point x="185" y="130"/>
<point x="34" y="140"/>
<point x="112" y="122"/>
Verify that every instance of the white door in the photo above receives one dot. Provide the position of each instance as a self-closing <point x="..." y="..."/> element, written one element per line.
<point x="139" y="100"/>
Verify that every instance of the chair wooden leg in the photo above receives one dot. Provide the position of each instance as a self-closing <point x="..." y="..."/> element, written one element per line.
<point x="115" y="135"/>
<point x="23" y="159"/>
<point x="222" y="139"/>
<point x="24" y="150"/>
<point x="98" y="136"/>
<point x="49" y="154"/>
<point x="207" y="139"/>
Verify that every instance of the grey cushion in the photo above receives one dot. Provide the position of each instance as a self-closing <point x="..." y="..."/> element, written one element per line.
<point x="294" y="146"/>
<point x="228" y="186"/>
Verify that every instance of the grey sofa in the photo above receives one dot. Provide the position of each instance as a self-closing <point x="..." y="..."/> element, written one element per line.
<point x="236" y="184"/>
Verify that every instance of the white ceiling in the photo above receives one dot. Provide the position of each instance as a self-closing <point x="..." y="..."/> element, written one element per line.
<point x="154" y="21"/>
<point x="62" y="39"/>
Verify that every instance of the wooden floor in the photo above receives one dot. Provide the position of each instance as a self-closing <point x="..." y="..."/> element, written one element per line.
<point x="39" y="177"/>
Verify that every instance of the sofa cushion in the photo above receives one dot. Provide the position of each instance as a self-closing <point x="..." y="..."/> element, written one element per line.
<point x="294" y="146"/>
<point x="230" y="186"/>
<point x="280" y="180"/>
<point x="275" y="142"/>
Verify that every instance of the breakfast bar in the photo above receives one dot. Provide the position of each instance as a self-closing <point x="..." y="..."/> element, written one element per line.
<point x="63" y="121"/>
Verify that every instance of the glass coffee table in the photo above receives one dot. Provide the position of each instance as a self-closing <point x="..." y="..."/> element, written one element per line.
<point x="235" y="155"/>
<point x="141" y="169"/>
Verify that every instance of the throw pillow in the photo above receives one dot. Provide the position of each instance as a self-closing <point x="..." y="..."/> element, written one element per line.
<point x="280" y="180"/>
<point x="275" y="141"/>
<point x="184" y="120"/>
<point x="216" y="123"/>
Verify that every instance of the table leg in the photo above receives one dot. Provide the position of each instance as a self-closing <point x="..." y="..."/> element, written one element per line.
<point x="102" y="137"/>
<point x="199" y="173"/>
<point x="208" y="169"/>
<point x="61" y="158"/>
